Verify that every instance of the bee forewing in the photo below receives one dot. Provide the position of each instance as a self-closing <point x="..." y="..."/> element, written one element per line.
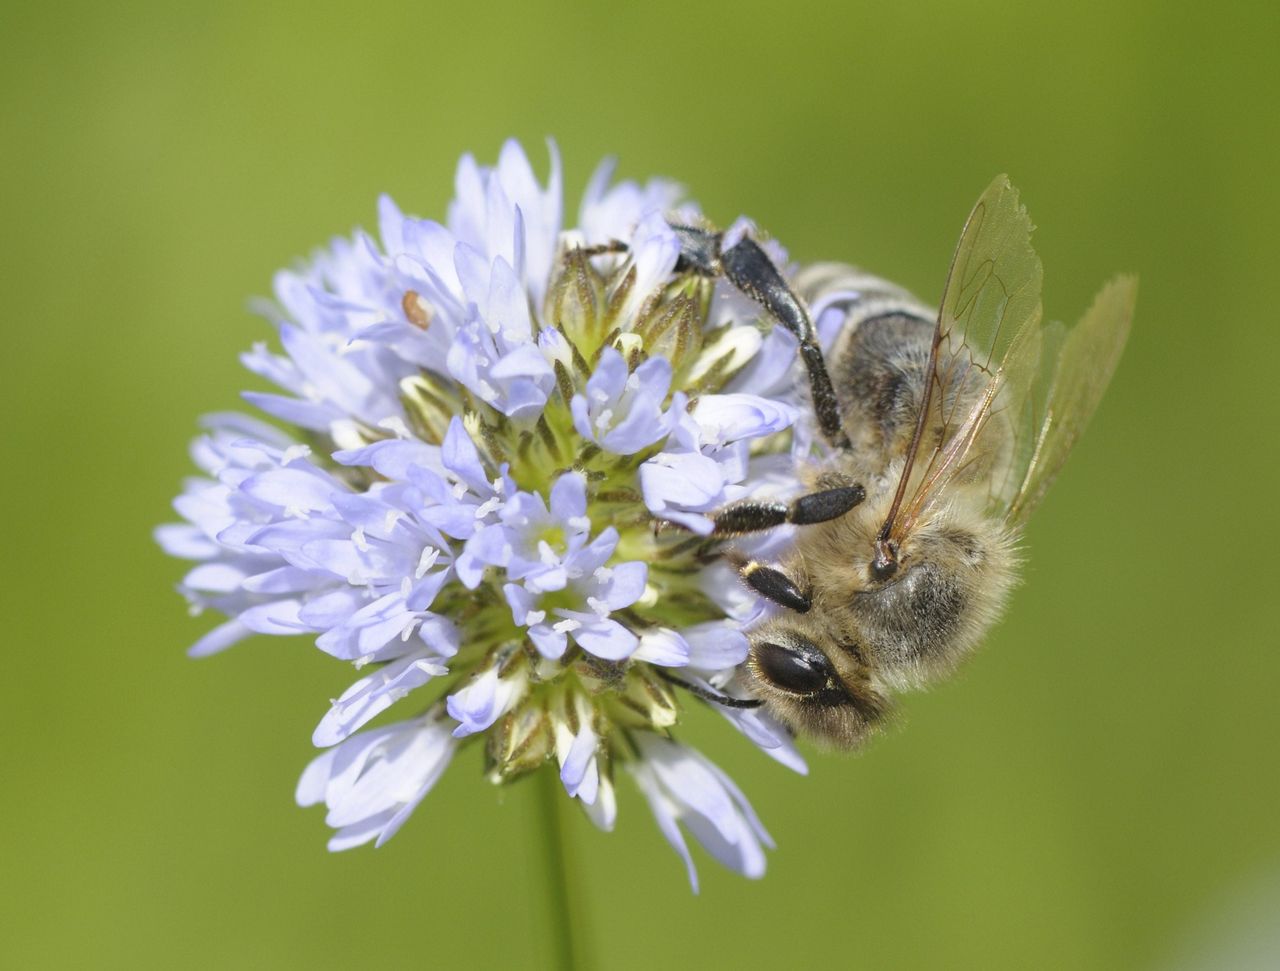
<point x="986" y="347"/>
<point x="993" y="287"/>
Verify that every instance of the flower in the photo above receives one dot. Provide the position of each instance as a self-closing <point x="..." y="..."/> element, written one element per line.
<point x="682" y="786"/>
<point x="508" y="438"/>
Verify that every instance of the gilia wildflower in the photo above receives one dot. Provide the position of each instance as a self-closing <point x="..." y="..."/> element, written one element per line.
<point x="507" y="435"/>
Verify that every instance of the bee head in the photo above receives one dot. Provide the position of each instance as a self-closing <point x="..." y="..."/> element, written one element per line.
<point x="823" y="692"/>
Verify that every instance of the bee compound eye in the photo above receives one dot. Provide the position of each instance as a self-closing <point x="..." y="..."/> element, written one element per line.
<point x="800" y="672"/>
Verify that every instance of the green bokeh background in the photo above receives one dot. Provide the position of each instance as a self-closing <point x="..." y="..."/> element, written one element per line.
<point x="1099" y="787"/>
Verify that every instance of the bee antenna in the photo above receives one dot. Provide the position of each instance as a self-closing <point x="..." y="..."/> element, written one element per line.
<point x="707" y="695"/>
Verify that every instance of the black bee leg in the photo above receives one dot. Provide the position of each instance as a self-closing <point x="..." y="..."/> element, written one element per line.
<point x="723" y="700"/>
<point x="750" y="516"/>
<point x="699" y="251"/>
<point x="748" y="267"/>
<point x="600" y="249"/>
<point x="772" y="584"/>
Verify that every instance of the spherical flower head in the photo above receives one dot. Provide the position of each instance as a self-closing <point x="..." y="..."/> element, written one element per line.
<point x="495" y="504"/>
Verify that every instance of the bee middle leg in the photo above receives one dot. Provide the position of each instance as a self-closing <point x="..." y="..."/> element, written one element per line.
<point x="753" y="516"/>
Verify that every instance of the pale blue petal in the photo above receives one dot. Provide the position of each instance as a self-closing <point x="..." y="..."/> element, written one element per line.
<point x="715" y="646"/>
<point x="374" y="694"/>
<point x="626" y="584"/>
<point x="569" y="497"/>
<point x="662" y="646"/>
<point x="292" y="489"/>
<point x="278" y="617"/>
<point x="606" y="639"/>
<point x="219" y="639"/>
<point x="461" y="457"/>
<point x="549" y="642"/>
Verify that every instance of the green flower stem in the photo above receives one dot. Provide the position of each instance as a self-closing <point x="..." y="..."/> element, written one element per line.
<point x="565" y="925"/>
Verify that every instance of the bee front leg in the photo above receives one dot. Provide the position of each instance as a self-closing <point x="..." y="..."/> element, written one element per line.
<point x="772" y="584"/>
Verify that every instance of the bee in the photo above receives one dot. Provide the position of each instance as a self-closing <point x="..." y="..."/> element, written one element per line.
<point x="942" y="432"/>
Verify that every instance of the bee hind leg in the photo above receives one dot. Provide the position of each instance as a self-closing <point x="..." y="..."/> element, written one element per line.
<point x="747" y="266"/>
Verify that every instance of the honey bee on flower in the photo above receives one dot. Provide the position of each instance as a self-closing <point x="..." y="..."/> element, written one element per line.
<point x="544" y="483"/>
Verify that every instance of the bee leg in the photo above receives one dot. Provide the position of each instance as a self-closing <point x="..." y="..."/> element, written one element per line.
<point x="726" y="701"/>
<point x="613" y="246"/>
<point x="748" y="267"/>
<point x="699" y="251"/>
<point x="817" y="507"/>
<point x="772" y="584"/>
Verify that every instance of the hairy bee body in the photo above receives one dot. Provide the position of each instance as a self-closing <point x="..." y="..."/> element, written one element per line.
<point x="957" y="570"/>
<point x="942" y="431"/>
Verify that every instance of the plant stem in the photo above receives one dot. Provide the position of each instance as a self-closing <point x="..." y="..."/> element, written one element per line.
<point x="551" y="836"/>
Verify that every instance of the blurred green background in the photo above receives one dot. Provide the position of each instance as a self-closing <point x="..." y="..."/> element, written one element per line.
<point x="1099" y="787"/>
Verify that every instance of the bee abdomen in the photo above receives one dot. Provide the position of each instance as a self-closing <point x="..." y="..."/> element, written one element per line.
<point x="839" y="292"/>
<point x="877" y="338"/>
<point x="878" y="369"/>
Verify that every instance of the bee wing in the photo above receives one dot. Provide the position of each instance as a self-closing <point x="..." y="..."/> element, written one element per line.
<point x="985" y="353"/>
<point x="1075" y="374"/>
